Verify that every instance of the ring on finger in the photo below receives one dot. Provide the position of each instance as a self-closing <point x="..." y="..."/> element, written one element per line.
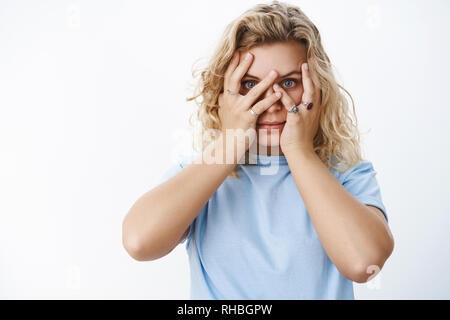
<point x="253" y="112"/>
<point x="308" y="105"/>
<point x="231" y="92"/>
<point x="294" y="109"/>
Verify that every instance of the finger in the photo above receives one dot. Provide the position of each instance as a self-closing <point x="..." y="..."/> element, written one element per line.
<point x="231" y="67"/>
<point x="259" y="89"/>
<point x="308" y="85"/>
<point x="286" y="100"/>
<point x="239" y="72"/>
<point x="266" y="103"/>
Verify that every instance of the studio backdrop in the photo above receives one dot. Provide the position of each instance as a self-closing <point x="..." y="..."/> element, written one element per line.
<point x="93" y="110"/>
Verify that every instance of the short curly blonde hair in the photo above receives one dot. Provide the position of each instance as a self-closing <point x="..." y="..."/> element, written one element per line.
<point x="337" y="142"/>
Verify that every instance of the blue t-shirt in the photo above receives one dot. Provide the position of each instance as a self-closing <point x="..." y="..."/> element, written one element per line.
<point x="254" y="238"/>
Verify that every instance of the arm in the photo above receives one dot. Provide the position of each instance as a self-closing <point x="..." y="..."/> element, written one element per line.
<point x="160" y="218"/>
<point x="354" y="235"/>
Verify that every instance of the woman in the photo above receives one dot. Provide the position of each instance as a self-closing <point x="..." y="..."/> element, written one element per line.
<point x="305" y="229"/>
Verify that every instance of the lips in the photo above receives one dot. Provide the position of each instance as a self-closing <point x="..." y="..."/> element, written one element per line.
<point x="271" y="125"/>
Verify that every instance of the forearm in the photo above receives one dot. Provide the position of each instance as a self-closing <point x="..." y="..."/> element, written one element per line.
<point x="158" y="219"/>
<point x="353" y="236"/>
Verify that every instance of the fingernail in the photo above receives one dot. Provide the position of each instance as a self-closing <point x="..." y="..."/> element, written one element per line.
<point x="276" y="86"/>
<point x="305" y="66"/>
<point x="278" y="94"/>
<point x="248" y="56"/>
<point x="273" y="73"/>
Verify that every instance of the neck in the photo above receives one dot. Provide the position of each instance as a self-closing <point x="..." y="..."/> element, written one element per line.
<point x="267" y="151"/>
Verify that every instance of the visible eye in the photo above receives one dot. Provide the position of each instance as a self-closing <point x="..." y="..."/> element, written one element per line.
<point x="291" y="83"/>
<point x="291" y="80"/>
<point x="248" y="81"/>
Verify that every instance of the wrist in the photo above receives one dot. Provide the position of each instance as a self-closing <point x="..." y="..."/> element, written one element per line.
<point x="299" y="151"/>
<point x="235" y="143"/>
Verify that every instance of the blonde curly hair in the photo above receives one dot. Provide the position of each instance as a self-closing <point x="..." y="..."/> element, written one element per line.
<point x="337" y="142"/>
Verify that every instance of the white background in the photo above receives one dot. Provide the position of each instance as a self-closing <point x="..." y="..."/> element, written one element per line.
<point x="92" y="100"/>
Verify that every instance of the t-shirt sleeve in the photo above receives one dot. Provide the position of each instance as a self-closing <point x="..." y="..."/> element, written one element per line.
<point x="171" y="171"/>
<point x="176" y="166"/>
<point x="361" y="182"/>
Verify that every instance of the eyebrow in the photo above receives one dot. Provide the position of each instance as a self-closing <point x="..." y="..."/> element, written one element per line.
<point x="286" y="75"/>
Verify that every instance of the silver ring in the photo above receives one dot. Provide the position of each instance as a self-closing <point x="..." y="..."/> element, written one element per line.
<point x="294" y="109"/>
<point x="230" y="92"/>
<point x="253" y="112"/>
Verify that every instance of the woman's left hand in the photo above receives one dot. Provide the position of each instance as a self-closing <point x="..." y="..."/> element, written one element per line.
<point x="300" y="128"/>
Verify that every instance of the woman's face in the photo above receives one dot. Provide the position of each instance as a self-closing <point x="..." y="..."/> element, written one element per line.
<point x="286" y="58"/>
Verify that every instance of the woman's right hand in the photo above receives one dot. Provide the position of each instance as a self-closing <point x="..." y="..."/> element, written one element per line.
<point x="234" y="108"/>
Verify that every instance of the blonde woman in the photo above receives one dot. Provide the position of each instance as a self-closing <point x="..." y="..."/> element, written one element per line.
<point x="307" y="229"/>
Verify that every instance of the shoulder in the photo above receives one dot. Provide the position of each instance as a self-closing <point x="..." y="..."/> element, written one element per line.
<point x="176" y="164"/>
<point x="185" y="159"/>
<point x="182" y="160"/>
<point x="362" y="168"/>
